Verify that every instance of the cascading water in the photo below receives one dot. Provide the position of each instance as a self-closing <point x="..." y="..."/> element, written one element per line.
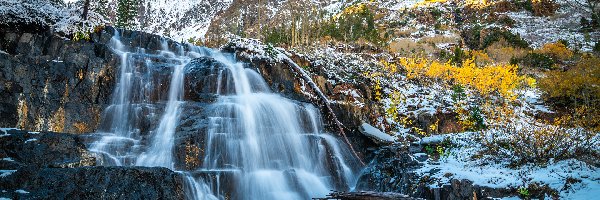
<point x="257" y="144"/>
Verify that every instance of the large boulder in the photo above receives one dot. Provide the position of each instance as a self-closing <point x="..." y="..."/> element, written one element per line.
<point x="92" y="183"/>
<point x="48" y="165"/>
<point x="46" y="149"/>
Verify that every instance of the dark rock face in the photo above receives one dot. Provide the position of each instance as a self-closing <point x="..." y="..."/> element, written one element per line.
<point x="202" y="80"/>
<point x="190" y="138"/>
<point x="51" y="165"/>
<point x="49" y="83"/>
<point x="93" y="183"/>
<point x="46" y="149"/>
<point x="393" y="170"/>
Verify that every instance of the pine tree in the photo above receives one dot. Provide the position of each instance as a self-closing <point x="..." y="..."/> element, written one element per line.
<point x="100" y="7"/>
<point x="126" y="12"/>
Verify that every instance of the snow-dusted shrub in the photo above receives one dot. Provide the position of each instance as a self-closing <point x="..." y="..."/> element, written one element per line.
<point x="521" y="144"/>
<point x="40" y="12"/>
<point x="544" y="7"/>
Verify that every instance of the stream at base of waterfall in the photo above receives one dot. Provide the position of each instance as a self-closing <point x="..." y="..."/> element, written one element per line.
<point x="257" y="144"/>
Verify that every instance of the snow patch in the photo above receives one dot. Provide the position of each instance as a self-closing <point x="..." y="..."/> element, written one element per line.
<point x="375" y="133"/>
<point x="21" y="191"/>
<point x="5" y="173"/>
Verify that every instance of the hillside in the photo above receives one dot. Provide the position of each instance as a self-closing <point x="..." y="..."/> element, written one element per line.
<point x="433" y="99"/>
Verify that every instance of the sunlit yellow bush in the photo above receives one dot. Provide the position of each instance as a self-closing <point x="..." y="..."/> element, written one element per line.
<point x="580" y="84"/>
<point x="488" y="79"/>
<point x="389" y="66"/>
<point x="429" y="2"/>
<point x="577" y="90"/>
<point x="556" y="50"/>
<point x="477" y="3"/>
<point x="353" y="9"/>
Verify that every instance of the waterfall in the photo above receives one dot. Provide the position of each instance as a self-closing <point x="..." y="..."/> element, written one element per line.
<point x="255" y="144"/>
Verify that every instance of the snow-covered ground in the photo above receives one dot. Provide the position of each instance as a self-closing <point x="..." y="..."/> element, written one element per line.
<point x="66" y="19"/>
<point x="458" y="164"/>
<point x="564" y="24"/>
<point x="183" y="19"/>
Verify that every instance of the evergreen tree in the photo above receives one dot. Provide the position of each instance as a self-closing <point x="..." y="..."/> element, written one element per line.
<point x="101" y="7"/>
<point x="126" y="13"/>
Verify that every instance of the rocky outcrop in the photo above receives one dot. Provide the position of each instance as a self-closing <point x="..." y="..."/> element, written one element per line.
<point x="93" y="183"/>
<point x="393" y="170"/>
<point x="51" y="83"/>
<point x="46" y="149"/>
<point x="50" y="165"/>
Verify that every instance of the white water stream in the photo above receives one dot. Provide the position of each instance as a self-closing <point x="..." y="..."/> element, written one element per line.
<point x="259" y="145"/>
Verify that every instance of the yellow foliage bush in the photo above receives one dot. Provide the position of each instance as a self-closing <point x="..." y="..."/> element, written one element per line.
<point x="479" y="4"/>
<point x="488" y="79"/>
<point x="577" y="91"/>
<point x="353" y="9"/>
<point x="556" y="50"/>
<point x="579" y="84"/>
<point x="389" y="66"/>
<point x="429" y="2"/>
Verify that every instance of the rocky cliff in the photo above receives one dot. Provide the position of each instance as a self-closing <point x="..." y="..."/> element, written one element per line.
<point x="48" y="165"/>
<point x="52" y="83"/>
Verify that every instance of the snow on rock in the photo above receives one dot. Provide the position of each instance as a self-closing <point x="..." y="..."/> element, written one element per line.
<point x="65" y="19"/>
<point x="375" y="134"/>
<point x="21" y="191"/>
<point x="5" y="173"/>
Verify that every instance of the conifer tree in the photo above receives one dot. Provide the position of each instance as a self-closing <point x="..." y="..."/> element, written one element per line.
<point x="101" y="7"/>
<point x="126" y="13"/>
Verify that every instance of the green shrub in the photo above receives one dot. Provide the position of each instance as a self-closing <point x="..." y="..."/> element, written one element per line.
<point x="458" y="93"/>
<point x="473" y="40"/>
<point x="471" y="36"/>
<point x="495" y="35"/>
<point x="538" y="60"/>
<point x="477" y="118"/>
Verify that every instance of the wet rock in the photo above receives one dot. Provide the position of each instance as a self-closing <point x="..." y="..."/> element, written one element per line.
<point x="92" y="183"/>
<point x="50" y="83"/>
<point x="393" y="170"/>
<point x="367" y="195"/>
<point x="190" y="138"/>
<point x="46" y="149"/>
<point x="202" y="77"/>
<point x="50" y="165"/>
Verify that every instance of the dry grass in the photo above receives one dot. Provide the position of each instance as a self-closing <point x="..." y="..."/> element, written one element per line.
<point x="502" y="52"/>
<point x="408" y="47"/>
